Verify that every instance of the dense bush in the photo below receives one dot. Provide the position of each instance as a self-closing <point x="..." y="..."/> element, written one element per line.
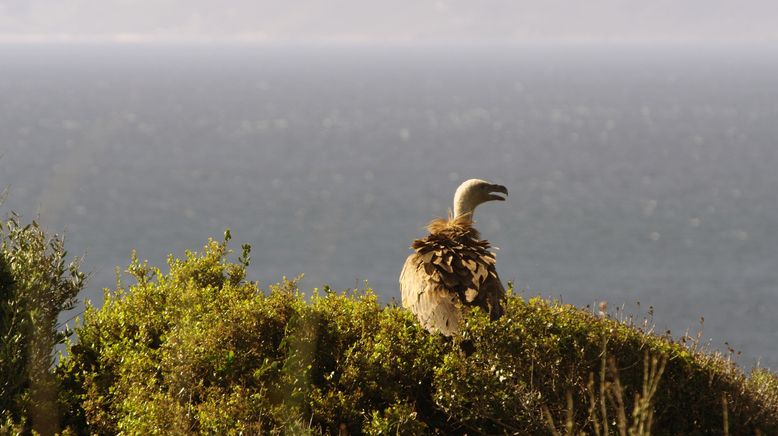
<point x="36" y="285"/>
<point x="201" y="350"/>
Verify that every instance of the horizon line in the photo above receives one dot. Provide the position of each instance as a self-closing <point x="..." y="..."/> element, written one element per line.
<point x="357" y="40"/>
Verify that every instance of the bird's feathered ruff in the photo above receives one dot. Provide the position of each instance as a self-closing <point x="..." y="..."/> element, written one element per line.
<point x="452" y="269"/>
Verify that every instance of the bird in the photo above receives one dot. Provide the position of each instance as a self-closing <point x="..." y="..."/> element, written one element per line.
<point x="452" y="269"/>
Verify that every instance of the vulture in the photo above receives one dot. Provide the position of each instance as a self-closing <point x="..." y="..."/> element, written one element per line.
<point x="452" y="268"/>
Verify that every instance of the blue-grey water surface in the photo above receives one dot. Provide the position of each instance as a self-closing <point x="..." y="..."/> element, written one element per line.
<point x="636" y="174"/>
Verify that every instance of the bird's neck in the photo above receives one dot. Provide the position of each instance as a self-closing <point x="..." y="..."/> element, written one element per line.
<point x="462" y="207"/>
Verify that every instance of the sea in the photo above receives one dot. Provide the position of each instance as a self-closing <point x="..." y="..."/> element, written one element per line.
<point x="644" y="176"/>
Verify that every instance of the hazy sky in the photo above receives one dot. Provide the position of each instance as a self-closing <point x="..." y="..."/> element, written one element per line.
<point x="392" y="20"/>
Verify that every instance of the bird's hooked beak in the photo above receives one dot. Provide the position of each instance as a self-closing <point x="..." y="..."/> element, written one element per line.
<point x="497" y="189"/>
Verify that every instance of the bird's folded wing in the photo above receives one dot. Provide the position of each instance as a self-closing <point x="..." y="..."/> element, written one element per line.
<point x="426" y="296"/>
<point x="449" y="271"/>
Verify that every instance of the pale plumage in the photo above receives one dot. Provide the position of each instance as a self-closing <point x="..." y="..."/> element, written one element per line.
<point x="452" y="268"/>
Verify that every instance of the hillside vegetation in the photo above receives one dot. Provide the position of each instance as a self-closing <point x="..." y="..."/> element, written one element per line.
<point x="202" y="350"/>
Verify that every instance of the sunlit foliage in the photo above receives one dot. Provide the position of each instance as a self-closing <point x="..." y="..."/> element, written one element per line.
<point x="202" y="350"/>
<point x="36" y="285"/>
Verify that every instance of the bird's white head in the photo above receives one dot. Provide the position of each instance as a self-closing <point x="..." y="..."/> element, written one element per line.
<point x="473" y="192"/>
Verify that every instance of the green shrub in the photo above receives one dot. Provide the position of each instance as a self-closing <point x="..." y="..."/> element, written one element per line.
<point x="36" y="285"/>
<point x="201" y="350"/>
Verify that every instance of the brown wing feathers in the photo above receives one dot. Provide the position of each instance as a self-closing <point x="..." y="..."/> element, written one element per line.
<point x="452" y="268"/>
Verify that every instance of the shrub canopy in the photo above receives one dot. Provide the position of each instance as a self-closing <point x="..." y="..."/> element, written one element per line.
<point x="37" y="284"/>
<point x="202" y="350"/>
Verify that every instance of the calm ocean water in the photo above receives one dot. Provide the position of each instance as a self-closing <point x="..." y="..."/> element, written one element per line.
<point x="636" y="174"/>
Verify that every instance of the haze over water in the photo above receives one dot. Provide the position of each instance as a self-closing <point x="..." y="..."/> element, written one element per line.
<point x="636" y="174"/>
